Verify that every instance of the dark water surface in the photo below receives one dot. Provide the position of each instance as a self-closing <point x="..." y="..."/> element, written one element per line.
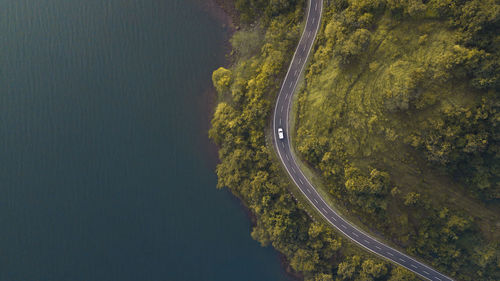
<point x="104" y="168"/>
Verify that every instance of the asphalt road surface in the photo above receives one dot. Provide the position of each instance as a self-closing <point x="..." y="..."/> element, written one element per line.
<point x="283" y="147"/>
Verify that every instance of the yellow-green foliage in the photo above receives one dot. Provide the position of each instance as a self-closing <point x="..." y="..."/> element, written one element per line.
<point x="401" y="115"/>
<point x="246" y="96"/>
<point x="221" y="79"/>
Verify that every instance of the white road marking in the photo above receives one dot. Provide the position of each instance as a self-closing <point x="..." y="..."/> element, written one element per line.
<point x="291" y="84"/>
<point x="293" y="169"/>
<point x="281" y="108"/>
<point x="301" y="181"/>
<point x="378" y="247"/>
<point x="303" y="49"/>
<point x="390" y="254"/>
<point x="323" y="209"/>
<point x="286" y="155"/>
<point x="308" y="34"/>
<point x="280" y="121"/>
<point x="438" y="278"/>
<point x="344" y="226"/>
<point x="295" y="74"/>
<point x="413" y="266"/>
<point x="314" y="19"/>
<point x="308" y="190"/>
<point x="283" y="144"/>
<point x="333" y="218"/>
<point x="402" y="260"/>
<point x="366" y="241"/>
<point x="316" y="7"/>
<point x="355" y="234"/>
<point x="426" y="272"/>
<point x="316" y="201"/>
<point x="300" y="60"/>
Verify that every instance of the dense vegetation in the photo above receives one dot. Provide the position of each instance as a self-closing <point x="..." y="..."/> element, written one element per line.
<point x="401" y="118"/>
<point x="246" y="94"/>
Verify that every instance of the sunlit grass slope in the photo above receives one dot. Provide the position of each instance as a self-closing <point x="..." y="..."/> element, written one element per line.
<point x="399" y="115"/>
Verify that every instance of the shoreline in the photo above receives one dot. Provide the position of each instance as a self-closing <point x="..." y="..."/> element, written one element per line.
<point x="209" y="97"/>
<point x="221" y="11"/>
<point x="224" y="11"/>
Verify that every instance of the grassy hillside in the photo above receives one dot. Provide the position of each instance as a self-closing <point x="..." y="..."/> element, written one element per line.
<point x="400" y="116"/>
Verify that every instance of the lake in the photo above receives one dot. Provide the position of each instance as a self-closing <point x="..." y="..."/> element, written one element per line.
<point x="106" y="172"/>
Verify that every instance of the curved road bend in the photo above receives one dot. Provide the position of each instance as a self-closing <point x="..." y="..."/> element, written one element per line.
<point x="281" y="120"/>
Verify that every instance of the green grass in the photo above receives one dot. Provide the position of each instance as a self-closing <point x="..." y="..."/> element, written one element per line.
<point x="367" y="113"/>
<point x="360" y="92"/>
<point x="313" y="175"/>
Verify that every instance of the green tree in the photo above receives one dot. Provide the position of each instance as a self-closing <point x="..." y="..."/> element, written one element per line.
<point x="222" y="79"/>
<point x="401" y="274"/>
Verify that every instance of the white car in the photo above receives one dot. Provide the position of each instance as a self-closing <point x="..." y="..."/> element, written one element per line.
<point x="280" y="134"/>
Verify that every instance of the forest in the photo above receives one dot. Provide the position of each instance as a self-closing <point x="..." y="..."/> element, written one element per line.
<point x="398" y="116"/>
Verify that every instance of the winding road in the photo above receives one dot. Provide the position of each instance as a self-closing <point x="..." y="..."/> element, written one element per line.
<point x="283" y="147"/>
